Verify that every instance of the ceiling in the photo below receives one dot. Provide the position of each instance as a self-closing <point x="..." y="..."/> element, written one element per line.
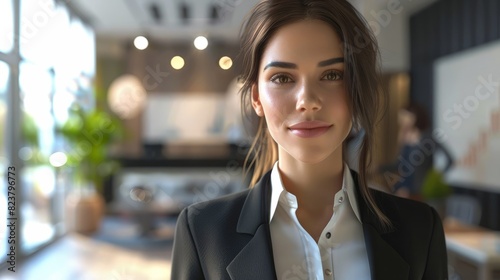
<point x="119" y="21"/>
<point x="125" y="19"/>
<point x="164" y="19"/>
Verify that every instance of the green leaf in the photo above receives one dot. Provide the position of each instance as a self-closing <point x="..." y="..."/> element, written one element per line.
<point x="434" y="185"/>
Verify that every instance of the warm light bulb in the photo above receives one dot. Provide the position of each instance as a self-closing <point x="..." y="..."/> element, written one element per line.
<point x="141" y="43"/>
<point x="177" y="62"/>
<point x="225" y="62"/>
<point x="127" y="96"/>
<point x="201" y="43"/>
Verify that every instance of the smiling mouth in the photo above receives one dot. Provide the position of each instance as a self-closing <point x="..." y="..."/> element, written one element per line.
<point x="310" y="132"/>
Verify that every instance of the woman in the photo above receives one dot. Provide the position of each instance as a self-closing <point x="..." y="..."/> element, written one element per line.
<point x="310" y="75"/>
<point x="417" y="150"/>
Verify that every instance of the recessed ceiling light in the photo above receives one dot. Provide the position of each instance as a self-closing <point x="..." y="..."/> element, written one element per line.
<point x="177" y="62"/>
<point x="225" y="62"/>
<point x="141" y="43"/>
<point x="201" y="43"/>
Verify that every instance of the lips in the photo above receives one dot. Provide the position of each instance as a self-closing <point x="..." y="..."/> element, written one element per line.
<point x="310" y="129"/>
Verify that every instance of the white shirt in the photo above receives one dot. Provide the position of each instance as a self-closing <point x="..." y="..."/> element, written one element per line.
<point x="340" y="252"/>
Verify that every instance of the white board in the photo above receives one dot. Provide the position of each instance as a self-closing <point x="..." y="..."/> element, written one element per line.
<point x="467" y="114"/>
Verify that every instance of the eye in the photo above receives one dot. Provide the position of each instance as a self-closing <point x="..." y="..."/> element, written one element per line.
<point x="281" y="79"/>
<point x="332" y="75"/>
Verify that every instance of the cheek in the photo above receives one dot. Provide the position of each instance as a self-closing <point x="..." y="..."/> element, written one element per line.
<point x="340" y="105"/>
<point x="274" y="105"/>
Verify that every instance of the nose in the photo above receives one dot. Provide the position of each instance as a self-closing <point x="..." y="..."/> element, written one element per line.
<point x="307" y="100"/>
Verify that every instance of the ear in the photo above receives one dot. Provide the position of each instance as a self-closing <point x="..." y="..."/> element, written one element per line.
<point x="257" y="106"/>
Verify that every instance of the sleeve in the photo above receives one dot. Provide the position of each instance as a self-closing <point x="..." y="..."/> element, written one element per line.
<point x="185" y="260"/>
<point x="446" y="152"/>
<point x="437" y="258"/>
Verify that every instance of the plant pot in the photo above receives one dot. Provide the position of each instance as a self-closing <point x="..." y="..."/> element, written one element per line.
<point x="84" y="212"/>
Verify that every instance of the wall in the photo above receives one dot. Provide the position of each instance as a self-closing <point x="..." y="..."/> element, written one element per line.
<point x="201" y="74"/>
<point x="389" y="20"/>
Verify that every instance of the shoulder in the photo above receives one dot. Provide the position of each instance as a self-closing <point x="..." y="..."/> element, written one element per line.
<point x="212" y="225"/>
<point x="389" y="201"/>
<point x="400" y="211"/>
<point x="217" y="210"/>
<point x="406" y="214"/>
<point x="417" y="235"/>
<point x="227" y="209"/>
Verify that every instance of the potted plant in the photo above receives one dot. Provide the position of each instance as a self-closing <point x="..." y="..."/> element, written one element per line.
<point x="435" y="191"/>
<point x="88" y="136"/>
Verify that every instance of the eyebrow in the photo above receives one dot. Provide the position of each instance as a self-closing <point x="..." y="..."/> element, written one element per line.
<point x="331" y="61"/>
<point x="290" y="65"/>
<point x="281" y="64"/>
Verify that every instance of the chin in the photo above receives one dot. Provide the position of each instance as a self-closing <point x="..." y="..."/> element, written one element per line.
<point x="311" y="157"/>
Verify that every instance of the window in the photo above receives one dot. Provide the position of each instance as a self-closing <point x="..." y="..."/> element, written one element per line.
<point x="44" y="29"/>
<point x="6" y="26"/>
<point x="55" y="53"/>
<point x="37" y="176"/>
<point x="4" y="89"/>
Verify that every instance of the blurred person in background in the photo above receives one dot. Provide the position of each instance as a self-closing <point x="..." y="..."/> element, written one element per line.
<point x="416" y="149"/>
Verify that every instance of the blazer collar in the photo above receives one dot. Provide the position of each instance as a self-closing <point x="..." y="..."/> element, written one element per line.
<point x="255" y="260"/>
<point x="255" y="210"/>
<point x="367" y="215"/>
<point x="385" y="261"/>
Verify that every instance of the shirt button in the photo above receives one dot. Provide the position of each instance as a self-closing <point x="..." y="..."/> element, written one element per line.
<point x="341" y="199"/>
<point x="328" y="272"/>
<point x="328" y="235"/>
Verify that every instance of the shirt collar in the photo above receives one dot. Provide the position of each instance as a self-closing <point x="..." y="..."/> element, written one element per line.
<point x="278" y="189"/>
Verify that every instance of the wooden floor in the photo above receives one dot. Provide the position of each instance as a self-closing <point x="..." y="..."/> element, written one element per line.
<point x="79" y="257"/>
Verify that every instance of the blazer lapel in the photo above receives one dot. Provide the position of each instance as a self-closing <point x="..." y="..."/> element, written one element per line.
<point x="385" y="261"/>
<point x="255" y="260"/>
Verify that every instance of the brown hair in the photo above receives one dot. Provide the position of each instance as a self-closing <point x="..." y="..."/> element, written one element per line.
<point x="422" y="121"/>
<point x="361" y="74"/>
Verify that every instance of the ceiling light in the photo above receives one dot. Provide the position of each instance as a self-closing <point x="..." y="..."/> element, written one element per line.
<point x="201" y="43"/>
<point x="127" y="96"/>
<point x="225" y="62"/>
<point x="177" y="62"/>
<point x="141" y="43"/>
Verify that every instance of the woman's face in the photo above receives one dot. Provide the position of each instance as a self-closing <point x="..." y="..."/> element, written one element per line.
<point x="301" y="91"/>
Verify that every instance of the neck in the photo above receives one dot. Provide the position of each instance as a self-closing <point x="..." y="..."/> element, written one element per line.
<point x="314" y="184"/>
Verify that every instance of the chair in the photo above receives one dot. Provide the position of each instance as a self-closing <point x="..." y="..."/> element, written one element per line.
<point x="464" y="208"/>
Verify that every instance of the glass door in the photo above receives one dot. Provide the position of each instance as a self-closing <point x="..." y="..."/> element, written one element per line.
<point x="6" y="47"/>
<point x="4" y="162"/>
<point x="37" y="175"/>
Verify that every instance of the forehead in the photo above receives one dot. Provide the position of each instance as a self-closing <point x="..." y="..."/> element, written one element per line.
<point x="305" y="39"/>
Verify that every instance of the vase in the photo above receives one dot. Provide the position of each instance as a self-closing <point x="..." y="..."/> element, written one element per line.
<point x="84" y="212"/>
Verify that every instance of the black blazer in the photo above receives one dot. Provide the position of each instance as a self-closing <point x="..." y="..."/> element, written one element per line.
<point x="229" y="238"/>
